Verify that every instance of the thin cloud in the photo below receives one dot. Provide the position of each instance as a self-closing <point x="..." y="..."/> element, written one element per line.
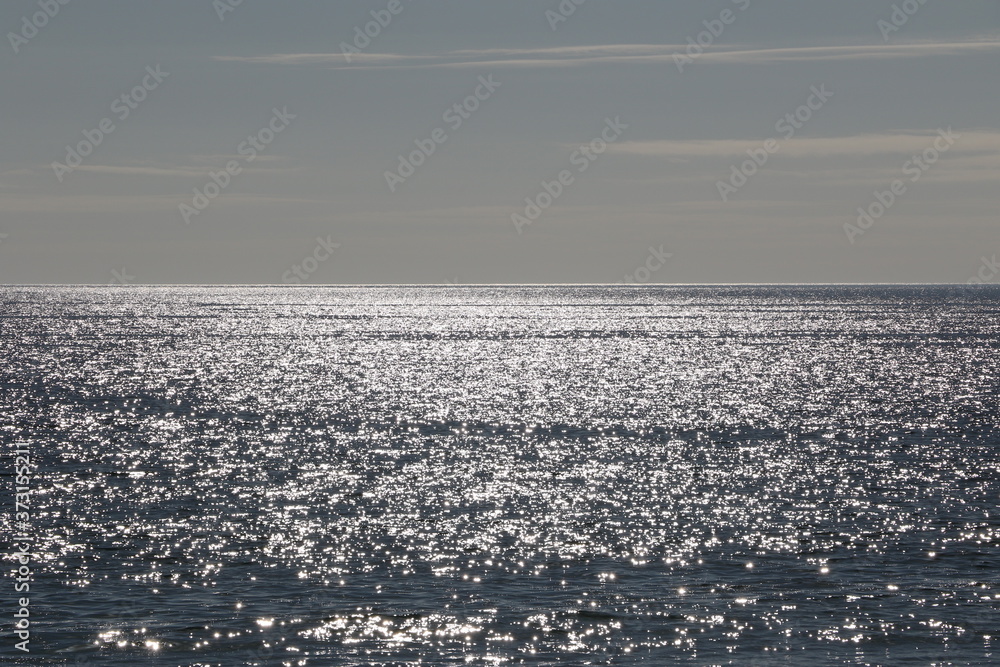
<point x="628" y="54"/>
<point x="323" y="58"/>
<point x="574" y="51"/>
<point x="856" y="52"/>
<point x="140" y="171"/>
<point x="853" y="146"/>
<point x="175" y="170"/>
<point x="215" y="159"/>
<point x="146" y="204"/>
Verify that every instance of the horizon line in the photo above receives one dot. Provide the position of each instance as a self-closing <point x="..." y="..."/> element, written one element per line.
<point x="614" y="284"/>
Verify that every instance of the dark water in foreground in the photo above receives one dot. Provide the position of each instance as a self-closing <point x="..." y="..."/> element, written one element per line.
<point x="493" y="476"/>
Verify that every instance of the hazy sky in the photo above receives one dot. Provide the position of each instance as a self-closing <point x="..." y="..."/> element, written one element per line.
<point x="664" y="124"/>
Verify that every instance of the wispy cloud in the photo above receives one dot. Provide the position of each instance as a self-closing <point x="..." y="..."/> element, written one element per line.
<point x="903" y="143"/>
<point x="854" y="52"/>
<point x="627" y="54"/>
<point x="324" y="58"/>
<point x="575" y="51"/>
<point x="123" y="203"/>
<point x="206" y="164"/>
<point x="141" y="171"/>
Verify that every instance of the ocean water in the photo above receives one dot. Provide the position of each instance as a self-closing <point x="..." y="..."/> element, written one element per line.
<point x="504" y="475"/>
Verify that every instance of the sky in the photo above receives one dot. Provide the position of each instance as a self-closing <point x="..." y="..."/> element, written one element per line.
<point x="515" y="141"/>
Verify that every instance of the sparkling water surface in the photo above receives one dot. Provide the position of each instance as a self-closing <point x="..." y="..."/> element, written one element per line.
<point x="506" y="475"/>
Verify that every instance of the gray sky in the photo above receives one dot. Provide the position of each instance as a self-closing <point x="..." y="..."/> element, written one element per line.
<point x="679" y="119"/>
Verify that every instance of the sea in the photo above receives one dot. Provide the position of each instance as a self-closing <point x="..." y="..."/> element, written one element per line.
<point x="500" y="475"/>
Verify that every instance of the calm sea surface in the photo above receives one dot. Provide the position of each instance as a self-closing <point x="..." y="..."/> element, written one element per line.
<point x="502" y="476"/>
